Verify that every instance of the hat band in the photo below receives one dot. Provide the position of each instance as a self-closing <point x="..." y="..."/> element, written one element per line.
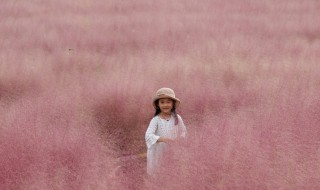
<point x="165" y="96"/>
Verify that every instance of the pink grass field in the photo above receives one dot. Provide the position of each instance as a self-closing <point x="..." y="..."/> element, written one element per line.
<point x="77" y="79"/>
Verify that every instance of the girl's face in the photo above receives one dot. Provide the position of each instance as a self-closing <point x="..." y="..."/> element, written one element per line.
<point x="166" y="105"/>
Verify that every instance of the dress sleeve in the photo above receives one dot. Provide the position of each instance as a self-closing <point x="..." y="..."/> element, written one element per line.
<point x="150" y="136"/>
<point x="183" y="128"/>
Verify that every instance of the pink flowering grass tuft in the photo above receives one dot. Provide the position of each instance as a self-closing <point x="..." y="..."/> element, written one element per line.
<point x="47" y="144"/>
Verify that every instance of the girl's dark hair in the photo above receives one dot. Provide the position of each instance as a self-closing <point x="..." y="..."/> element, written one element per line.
<point x="173" y="110"/>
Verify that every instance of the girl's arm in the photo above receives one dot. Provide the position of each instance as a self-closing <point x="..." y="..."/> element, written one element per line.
<point x="150" y="136"/>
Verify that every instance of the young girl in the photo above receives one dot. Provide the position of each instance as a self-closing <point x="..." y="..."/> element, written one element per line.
<point x="165" y="127"/>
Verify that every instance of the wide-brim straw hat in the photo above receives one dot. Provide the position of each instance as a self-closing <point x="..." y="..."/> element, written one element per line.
<point x="165" y="93"/>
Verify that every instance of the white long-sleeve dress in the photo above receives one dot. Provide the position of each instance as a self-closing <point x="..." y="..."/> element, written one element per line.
<point x="159" y="127"/>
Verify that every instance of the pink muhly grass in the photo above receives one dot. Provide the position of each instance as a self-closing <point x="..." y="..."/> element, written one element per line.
<point x="264" y="147"/>
<point x="45" y="145"/>
<point x="77" y="78"/>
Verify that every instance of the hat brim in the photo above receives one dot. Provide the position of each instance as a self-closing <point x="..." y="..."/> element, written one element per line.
<point x="165" y="96"/>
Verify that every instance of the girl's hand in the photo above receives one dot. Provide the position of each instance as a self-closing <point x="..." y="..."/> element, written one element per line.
<point x="165" y="140"/>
